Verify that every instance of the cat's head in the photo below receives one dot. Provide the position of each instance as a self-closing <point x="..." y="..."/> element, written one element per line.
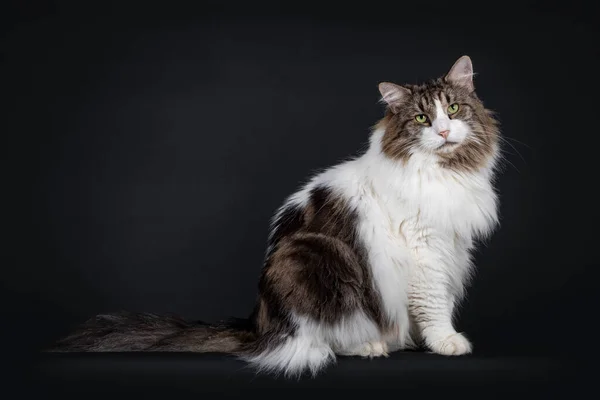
<point x="443" y="117"/>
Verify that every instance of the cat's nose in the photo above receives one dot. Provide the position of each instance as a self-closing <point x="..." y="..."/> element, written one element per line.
<point x="444" y="134"/>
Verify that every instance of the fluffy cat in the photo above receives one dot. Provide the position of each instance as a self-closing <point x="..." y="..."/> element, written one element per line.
<point x="370" y="256"/>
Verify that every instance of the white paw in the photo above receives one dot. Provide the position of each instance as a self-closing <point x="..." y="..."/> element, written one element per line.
<point x="368" y="349"/>
<point x="453" y="345"/>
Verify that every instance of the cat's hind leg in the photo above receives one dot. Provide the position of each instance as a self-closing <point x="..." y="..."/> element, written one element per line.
<point x="368" y="349"/>
<point x="313" y="289"/>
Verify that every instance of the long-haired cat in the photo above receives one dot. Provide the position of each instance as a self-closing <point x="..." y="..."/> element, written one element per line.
<point x="370" y="256"/>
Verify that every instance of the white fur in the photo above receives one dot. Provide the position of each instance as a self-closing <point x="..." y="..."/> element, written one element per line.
<point x="314" y="344"/>
<point x="418" y="222"/>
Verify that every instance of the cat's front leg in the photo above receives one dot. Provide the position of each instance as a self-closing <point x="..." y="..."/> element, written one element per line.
<point x="431" y="302"/>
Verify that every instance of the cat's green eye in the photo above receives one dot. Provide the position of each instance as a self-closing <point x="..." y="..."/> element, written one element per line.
<point x="453" y="108"/>
<point x="421" y="118"/>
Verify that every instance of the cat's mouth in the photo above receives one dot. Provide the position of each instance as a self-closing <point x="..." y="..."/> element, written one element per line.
<point x="448" y="146"/>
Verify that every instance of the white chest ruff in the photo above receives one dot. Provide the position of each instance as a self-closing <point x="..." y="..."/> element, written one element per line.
<point x="440" y="202"/>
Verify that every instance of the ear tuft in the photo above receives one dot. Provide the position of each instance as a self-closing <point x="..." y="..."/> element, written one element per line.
<point x="392" y="94"/>
<point x="461" y="73"/>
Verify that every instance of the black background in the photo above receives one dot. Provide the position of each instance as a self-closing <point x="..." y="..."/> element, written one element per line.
<point x="148" y="146"/>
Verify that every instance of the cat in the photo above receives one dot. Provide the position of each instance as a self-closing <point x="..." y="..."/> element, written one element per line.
<point x="369" y="256"/>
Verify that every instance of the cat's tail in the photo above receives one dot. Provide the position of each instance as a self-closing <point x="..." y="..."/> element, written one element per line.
<point x="290" y="353"/>
<point x="134" y="332"/>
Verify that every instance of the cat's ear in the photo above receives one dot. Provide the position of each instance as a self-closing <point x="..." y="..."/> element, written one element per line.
<point x="461" y="73"/>
<point x="392" y="94"/>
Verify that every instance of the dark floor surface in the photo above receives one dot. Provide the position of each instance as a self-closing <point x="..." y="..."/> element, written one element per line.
<point x="216" y="376"/>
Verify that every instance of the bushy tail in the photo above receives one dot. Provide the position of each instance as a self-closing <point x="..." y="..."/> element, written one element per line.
<point x="126" y="332"/>
<point x="292" y="353"/>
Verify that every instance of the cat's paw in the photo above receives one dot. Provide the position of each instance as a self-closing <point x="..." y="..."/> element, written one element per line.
<point x="368" y="349"/>
<point x="453" y="345"/>
<point x="373" y="349"/>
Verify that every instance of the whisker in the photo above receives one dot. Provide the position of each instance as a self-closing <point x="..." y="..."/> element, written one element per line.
<point x="515" y="149"/>
<point x="503" y="158"/>
<point x="504" y="139"/>
<point x="515" y="140"/>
